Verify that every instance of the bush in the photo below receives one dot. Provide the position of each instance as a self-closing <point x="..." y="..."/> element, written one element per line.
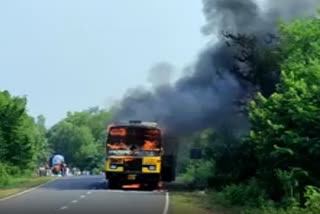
<point x="4" y="175"/>
<point x="250" y="195"/>
<point x="13" y="170"/>
<point x="312" y="206"/>
<point x="198" y="174"/>
<point x="313" y="200"/>
<point x="9" y="174"/>
<point x="97" y="171"/>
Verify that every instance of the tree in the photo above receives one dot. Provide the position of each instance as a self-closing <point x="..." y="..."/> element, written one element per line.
<point x="285" y="126"/>
<point x="255" y="64"/>
<point x="42" y="146"/>
<point x="80" y="137"/>
<point x="22" y="142"/>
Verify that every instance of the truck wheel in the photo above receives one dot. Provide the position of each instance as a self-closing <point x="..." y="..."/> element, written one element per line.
<point x="153" y="185"/>
<point x="112" y="184"/>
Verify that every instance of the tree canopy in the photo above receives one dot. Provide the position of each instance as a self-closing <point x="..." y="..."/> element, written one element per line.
<point x="22" y="139"/>
<point x="80" y="138"/>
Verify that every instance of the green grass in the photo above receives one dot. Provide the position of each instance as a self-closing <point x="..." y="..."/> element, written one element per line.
<point x="195" y="203"/>
<point x="184" y="204"/>
<point x="17" y="185"/>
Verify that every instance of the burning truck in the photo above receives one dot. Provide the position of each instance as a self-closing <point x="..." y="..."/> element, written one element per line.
<point x="136" y="156"/>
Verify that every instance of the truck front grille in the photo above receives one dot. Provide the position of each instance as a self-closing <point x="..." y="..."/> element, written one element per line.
<point x="134" y="165"/>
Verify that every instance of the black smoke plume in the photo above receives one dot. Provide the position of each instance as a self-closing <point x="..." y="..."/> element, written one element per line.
<point x="207" y="97"/>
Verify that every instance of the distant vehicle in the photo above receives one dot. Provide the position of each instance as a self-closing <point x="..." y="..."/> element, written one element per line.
<point x="57" y="164"/>
<point x="136" y="156"/>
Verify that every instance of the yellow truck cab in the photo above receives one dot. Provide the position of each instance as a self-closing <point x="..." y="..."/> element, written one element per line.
<point x="134" y="155"/>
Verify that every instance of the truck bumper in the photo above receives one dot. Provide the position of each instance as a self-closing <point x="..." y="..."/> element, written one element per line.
<point x="133" y="178"/>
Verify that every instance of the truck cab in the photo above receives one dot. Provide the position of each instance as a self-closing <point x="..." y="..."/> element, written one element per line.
<point x="134" y="153"/>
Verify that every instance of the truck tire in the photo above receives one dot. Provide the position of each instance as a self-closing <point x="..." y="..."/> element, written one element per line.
<point x="113" y="184"/>
<point x="153" y="185"/>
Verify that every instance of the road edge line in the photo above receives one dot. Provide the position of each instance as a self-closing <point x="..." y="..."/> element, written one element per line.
<point x="166" y="207"/>
<point x="26" y="191"/>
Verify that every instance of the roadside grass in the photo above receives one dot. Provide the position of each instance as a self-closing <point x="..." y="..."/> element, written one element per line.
<point x="183" y="202"/>
<point x="17" y="185"/>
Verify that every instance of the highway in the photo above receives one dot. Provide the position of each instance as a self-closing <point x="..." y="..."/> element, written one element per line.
<point x="85" y="194"/>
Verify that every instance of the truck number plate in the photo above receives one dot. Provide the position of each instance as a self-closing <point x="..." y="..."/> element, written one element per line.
<point x="132" y="177"/>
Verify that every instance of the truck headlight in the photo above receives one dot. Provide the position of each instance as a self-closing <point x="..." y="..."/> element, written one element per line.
<point x="113" y="166"/>
<point x="152" y="167"/>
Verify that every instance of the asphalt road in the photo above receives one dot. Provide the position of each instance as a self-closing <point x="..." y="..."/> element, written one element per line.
<point x="87" y="195"/>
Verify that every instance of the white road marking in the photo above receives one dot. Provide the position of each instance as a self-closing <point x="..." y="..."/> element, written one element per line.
<point x="29" y="190"/>
<point x="63" y="208"/>
<point x="119" y="191"/>
<point x="82" y="196"/>
<point x="89" y="193"/>
<point x="74" y="201"/>
<point x="166" y="206"/>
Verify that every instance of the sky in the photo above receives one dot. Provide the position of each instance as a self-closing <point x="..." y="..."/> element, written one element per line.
<point x="75" y="54"/>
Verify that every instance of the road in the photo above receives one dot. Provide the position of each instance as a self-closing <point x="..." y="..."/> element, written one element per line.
<point x="85" y="194"/>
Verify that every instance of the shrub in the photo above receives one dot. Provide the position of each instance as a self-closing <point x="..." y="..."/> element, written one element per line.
<point x="97" y="171"/>
<point x="4" y="175"/>
<point x="312" y="206"/>
<point x="249" y="194"/>
<point x="198" y="174"/>
<point x="13" y="170"/>
<point x="313" y="200"/>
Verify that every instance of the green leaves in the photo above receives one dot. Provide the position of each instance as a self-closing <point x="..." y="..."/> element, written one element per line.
<point x="283" y="150"/>
<point x="21" y="142"/>
<point x="285" y="131"/>
<point x="80" y="138"/>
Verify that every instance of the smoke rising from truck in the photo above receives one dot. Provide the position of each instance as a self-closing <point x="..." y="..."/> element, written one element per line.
<point x="207" y="96"/>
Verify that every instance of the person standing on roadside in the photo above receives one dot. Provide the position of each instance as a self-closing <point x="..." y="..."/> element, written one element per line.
<point x="63" y="168"/>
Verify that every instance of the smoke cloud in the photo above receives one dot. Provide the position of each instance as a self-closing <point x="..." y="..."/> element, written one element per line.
<point x="206" y="97"/>
<point x="240" y="16"/>
<point x="161" y="74"/>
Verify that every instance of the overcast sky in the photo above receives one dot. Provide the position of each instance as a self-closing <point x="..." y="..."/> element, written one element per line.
<point x="71" y="55"/>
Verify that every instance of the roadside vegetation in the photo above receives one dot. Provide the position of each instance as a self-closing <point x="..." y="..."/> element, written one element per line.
<point x="26" y="144"/>
<point x="275" y="168"/>
<point x="23" y="145"/>
<point x="80" y="137"/>
<point x="20" y="184"/>
<point x="184" y="202"/>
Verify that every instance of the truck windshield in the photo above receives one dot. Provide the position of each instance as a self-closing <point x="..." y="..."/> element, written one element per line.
<point x="134" y="141"/>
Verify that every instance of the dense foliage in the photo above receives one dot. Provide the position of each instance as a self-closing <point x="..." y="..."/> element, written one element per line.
<point x="286" y="125"/>
<point x="26" y="144"/>
<point x="276" y="165"/>
<point x="80" y="138"/>
<point x="23" y="144"/>
<point x="281" y="156"/>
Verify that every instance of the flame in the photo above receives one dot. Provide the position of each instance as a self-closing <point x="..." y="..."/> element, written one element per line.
<point x="128" y="159"/>
<point x="154" y="132"/>
<point x="116" y="161"/>
<point x="131" y="186"/>
<point x="118" y="132"/>
<point x="149" y="145"/>
<point x="110" y="126"/>
<point x="118" y="146"/>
